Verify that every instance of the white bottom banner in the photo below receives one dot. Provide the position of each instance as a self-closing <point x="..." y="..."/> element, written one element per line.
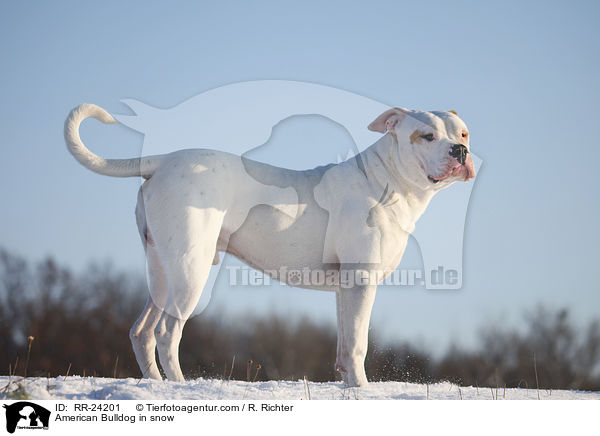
<point x="158" y="417"/>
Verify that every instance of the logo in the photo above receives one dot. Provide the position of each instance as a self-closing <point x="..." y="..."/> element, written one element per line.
<point x="245" y="119"/>
<point x="26" y="415"/>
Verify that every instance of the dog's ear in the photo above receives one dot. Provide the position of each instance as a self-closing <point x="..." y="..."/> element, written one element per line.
<point x="387" y="120"/>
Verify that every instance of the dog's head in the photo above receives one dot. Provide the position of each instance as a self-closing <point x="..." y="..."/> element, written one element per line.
<point x="433" y="147"/>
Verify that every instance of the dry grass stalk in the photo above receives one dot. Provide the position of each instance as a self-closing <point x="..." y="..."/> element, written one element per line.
<point x="29" y="341"/>
<point x="68" y="370"/>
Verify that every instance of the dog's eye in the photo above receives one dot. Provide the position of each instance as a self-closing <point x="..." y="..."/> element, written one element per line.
<point x="429" y="137"/>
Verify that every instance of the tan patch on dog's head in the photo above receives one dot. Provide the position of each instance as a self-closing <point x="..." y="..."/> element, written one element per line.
<point x="453" y="112"/>
<point x="416" y="137"/>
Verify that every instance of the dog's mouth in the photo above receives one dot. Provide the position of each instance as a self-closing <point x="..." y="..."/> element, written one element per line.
<point x="455" y="171"/>
<point x="450" y="176"/>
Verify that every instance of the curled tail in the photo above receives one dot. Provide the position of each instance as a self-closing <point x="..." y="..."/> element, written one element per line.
<point x="140" y="167"/>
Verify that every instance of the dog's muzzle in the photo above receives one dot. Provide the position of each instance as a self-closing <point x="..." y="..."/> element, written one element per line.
<point x="461" y="166"/>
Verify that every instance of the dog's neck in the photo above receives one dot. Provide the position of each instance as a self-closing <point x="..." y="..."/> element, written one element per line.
<point x="386" y="171"/>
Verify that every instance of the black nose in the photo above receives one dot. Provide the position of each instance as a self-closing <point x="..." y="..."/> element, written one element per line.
<point x="459" y="152"/>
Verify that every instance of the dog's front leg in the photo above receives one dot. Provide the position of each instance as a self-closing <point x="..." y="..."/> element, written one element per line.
<point x="354" y="303"/>
<point x="338" y="358"/>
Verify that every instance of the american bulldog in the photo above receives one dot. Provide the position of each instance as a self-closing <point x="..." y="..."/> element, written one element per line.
<point x="341" y="228"/>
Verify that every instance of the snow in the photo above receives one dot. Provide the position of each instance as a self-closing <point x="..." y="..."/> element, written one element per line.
<point x="93" y="388"/>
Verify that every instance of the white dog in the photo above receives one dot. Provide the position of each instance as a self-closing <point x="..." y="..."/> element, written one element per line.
<point x="341" y="228"/>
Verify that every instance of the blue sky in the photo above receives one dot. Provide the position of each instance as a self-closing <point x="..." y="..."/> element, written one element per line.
<point x="522" y="75"/>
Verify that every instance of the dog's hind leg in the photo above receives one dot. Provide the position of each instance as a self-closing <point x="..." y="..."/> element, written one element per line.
<point x="142" y="333"/>
<point x="144" y="342"/>
<point x="168" y="335"/>
<point x="187" y="258"/>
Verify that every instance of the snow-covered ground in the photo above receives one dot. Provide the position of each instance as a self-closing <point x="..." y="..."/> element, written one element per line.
<point x="91" y="388"/>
